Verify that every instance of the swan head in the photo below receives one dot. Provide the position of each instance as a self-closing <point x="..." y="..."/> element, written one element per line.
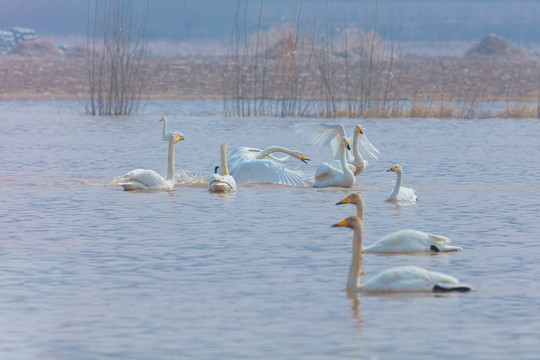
<point x="359" y="129"/>
<point x="174" y="138"/>
<point x="346" y="142"/>
<point x="396" y="168"/>
<point x="299" y="156"/>
<point x="350" y="222"/>
<point x="355" y="199"/>
<point x="163" y="118"/>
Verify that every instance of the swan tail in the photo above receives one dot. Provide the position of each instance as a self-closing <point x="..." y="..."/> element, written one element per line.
<point x="449" y="288"/>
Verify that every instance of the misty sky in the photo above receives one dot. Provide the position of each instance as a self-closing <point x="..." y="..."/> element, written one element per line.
<point x="212" y="20"/>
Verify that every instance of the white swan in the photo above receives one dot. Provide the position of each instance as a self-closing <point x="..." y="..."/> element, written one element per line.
<point x="140" y="179"/>
<point x="323" y="134"/>
<point x="327" y="175"/>
<point x="250" y="165"/>
<point x="167" y="135"/>
<point x="399" y="279"/>
<point x="403" y="241"/>
<point x="222" y="182"/>
<point x="401" y="192"/>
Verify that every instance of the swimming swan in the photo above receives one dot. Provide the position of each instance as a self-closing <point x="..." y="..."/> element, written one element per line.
<point x="403" y="241"/>
<point x="401" y="192"/>
<point x="140" y="179"/>
<point x="399" y="279"/>
<point x="167" y="135"/>
<point x="322" y="134"/>
<point x="222" y="182"/>
<point x="250" y="165"/>
<point x="327" y="175"/>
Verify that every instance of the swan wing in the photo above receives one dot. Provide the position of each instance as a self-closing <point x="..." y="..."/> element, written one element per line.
<point x="265" y="171"/>
<point x="402" y="241"/>
<point x="144" y="179"/>
<point x="240" y="155"/>
<point x="366" y="148"/>
<point x="408" y="279"/>
<point x="322" y="134"/>
<point x="407" y="194"/>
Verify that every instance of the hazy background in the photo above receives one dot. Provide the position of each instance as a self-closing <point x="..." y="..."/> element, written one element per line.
<point x="210" y="21"/>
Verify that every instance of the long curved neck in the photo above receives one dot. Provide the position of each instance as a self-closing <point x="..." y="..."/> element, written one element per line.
<point x="398" y="182"/>
<point x="360" y="210"/>
<point x="224" y="168"/>
<point x="273" y="149"/>
<point x="356" y="153"/>
<point x="164" y="119"/>
<point x="170" y="161"/>
<point x="343" y="159"/>
<point x="356" y="261"/>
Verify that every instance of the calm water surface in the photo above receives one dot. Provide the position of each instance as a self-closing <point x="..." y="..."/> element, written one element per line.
<point x="89" y="271"/>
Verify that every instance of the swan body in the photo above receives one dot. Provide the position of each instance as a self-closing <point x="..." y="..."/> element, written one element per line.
<point x="323" y="134"/>
<point x="251" y="165"/>
<point x="328" y="175"/>
<point x="403" y="241"/>
<point x="166" y="134"/>
<point x="140" y="179"/>
<point x="395" y="280"/>
<point x="222" y="182"/>
<point x="401" y="192"/>
<point x="412" y="279"/>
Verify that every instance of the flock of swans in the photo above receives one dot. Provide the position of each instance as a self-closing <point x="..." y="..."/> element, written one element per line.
<point x="251" y="165"/>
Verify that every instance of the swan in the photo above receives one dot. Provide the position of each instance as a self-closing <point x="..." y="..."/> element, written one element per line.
<point x="250" y="165"/>
<point x="399" y="279"/>
<point x="140" y="179"/>
<point x="327" y="175"/>
<point x="324" y="134"/>
<point x="403" y="241"/>
<point x="224" y="182"/>
<point x="167" y="135"/>
<point x="401" y="192"/>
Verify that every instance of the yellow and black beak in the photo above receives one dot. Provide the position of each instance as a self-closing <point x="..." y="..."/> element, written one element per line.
<point x="304" y="159"/>
<point x="344" y="201"/>
<point x="360" y="130"/>
<point x="393" y="168"/>
<point x="341" y="223"/>
<point x="347" y="145"/>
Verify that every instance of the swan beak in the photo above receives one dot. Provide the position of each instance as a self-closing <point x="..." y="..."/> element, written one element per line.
<point x="344" y="201"/>
<point x="341" y="223"/>
<point x="393" y="168"/>
<point x="360" y="130"/>
<point x="304" y="159"/>
<point x="347" y="145"/>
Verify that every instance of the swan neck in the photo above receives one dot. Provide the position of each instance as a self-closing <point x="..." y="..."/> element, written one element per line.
<point x="353" y="278"/>
<point x="224" y="168"/>
<point x="398" y="182"/>
<point x="360" y="210"/>
<point x="170" y="161"/>
<point x="273" y="149"/>
<point x="356" y="153"/>
<point x="343" y="159"/>
<point x="164" y="119"/>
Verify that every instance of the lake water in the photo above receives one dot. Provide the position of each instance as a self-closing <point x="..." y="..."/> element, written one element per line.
<point x="88" y="271"/>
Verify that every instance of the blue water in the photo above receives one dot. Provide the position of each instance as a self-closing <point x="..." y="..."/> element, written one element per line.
<point x="90" y="271"/>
